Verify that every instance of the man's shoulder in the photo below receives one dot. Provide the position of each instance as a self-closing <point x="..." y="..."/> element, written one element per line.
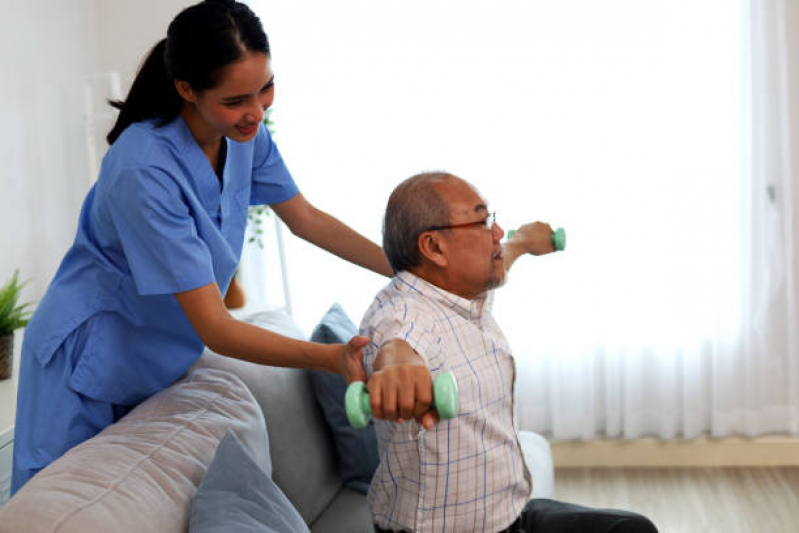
<point x="397" y="313"/>
<point x="398" y="295"/>
<point x="398" y="302"/>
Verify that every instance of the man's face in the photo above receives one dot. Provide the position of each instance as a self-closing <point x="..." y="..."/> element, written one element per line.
<point x="475" y="263"/>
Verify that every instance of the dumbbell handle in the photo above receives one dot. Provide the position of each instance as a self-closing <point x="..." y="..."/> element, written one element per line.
<point x="445" y="399"/>
<point x="558" y="238"/>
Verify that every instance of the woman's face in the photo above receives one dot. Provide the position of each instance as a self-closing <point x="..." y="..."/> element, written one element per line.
<point x="235" y="107"/>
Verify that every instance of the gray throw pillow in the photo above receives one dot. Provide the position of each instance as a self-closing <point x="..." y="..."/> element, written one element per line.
<point x="356" y="449"/>
<point x="237" y="496"/>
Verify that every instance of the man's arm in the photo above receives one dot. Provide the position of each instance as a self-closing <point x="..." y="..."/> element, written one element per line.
<point x="534" y="238"/>
<point x="401" y="387"/>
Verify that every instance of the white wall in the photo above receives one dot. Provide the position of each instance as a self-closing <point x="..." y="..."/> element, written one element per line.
<point x="127" y="30"/>
<point x="46" y="47"/>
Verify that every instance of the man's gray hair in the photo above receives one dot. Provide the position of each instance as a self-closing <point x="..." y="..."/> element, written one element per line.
<point x="413" y="207"/>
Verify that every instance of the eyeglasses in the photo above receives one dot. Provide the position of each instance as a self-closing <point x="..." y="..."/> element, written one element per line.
<point x="488" y="223"/>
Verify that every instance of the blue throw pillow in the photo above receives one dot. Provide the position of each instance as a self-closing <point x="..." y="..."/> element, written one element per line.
<point x="237" y="496"/>
<point x="356" y="449"/>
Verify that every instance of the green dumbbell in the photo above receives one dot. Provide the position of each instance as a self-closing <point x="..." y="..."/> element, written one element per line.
<point x="445" y="399"/>
<point x="558" y="238"/>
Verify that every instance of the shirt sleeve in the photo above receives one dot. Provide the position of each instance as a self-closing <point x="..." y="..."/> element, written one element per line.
<point x="158" y="234"/>
<point x="404" y="321"/>
<point x="271" y="180"/>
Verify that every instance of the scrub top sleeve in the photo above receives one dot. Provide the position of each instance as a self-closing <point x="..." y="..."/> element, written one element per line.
<point x="158" y="234"/>
<point x="271" y="180"/>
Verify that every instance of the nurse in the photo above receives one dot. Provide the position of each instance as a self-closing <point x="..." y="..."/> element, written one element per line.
<point x="139" y="293"/>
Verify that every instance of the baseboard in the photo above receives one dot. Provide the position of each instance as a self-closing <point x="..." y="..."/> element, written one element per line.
<point x="702" y="452"/>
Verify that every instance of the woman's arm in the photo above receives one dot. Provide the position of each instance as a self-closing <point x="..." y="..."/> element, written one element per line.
<point x="329" y="233"/>
<point x="227" y="336"/>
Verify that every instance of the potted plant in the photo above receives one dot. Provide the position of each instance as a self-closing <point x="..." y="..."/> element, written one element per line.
<point x="13" y="316"/>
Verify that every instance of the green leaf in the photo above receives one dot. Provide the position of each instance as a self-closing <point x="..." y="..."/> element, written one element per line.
<point x="13" y="315"/>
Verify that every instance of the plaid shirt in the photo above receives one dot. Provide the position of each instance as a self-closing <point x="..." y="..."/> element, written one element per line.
<point x="467" y="473"/>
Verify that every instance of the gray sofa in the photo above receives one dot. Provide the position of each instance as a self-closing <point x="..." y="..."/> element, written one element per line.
<point x="303" y="456"/>
<point x="141" y="473"/>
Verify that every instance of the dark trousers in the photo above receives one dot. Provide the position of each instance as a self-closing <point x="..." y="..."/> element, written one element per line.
<point x="541" y="515"/>
<point x="549" y="516"/>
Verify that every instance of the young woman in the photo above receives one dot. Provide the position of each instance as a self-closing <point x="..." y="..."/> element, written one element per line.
<point x="139" y="293"/>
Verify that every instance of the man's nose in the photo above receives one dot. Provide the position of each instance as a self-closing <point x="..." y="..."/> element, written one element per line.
<point x="497" y="232"/>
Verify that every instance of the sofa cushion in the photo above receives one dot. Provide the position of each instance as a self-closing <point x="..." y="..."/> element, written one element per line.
<point x="349" y="512"/>
<point x="356" y="449"/>
<point x="303" y="459"/>
<point x="236" y="496"/>
<point x="141" y="473"/>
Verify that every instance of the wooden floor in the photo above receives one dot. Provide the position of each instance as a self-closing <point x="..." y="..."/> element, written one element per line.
<point x="677" y="500"/>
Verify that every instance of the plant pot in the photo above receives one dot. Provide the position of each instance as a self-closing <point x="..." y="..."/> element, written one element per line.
<point x="6" y="356"/>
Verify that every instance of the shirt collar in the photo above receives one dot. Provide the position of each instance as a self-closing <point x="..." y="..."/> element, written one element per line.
<point x="470" y="309"/>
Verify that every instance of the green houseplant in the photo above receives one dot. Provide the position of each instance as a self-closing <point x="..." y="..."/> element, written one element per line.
<point x="13" y="316"/>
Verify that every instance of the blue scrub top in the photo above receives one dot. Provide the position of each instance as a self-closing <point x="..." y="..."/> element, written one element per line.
<point x="155" y="223"/>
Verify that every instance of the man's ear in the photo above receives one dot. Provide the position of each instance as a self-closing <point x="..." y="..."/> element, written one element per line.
<point x="433" y="248"/>
<point x="185" y="91"/>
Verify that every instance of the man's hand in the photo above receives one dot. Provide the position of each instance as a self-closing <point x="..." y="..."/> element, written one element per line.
<point x="401" y="387"/>
<point x="534" y="238"/>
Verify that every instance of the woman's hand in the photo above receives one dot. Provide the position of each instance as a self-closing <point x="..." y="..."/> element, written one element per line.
<point x="350" y="359"/>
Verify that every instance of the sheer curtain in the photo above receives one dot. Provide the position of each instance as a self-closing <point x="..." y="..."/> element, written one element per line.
<point x="768" y="349"/>
<point x="671" y="312"/>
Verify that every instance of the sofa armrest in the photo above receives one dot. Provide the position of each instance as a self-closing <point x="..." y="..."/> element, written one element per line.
<point x="538" y="458"/>
<point x="141" y="473"/>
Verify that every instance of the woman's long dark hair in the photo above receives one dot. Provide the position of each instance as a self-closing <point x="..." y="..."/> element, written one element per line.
<point x="201" y="40"/>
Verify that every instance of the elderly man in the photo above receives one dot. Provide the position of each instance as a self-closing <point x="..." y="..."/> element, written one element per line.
<point x="466" y="473"/>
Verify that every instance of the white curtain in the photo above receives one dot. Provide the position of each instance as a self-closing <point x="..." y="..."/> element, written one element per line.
<point x="768" y="349"/>
<point x="706" y="344"/>
<point x="671" y="311"/>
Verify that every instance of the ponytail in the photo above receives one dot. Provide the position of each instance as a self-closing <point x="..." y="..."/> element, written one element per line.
<point x="201" y="41"/>
<point x="152" y="95"/>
